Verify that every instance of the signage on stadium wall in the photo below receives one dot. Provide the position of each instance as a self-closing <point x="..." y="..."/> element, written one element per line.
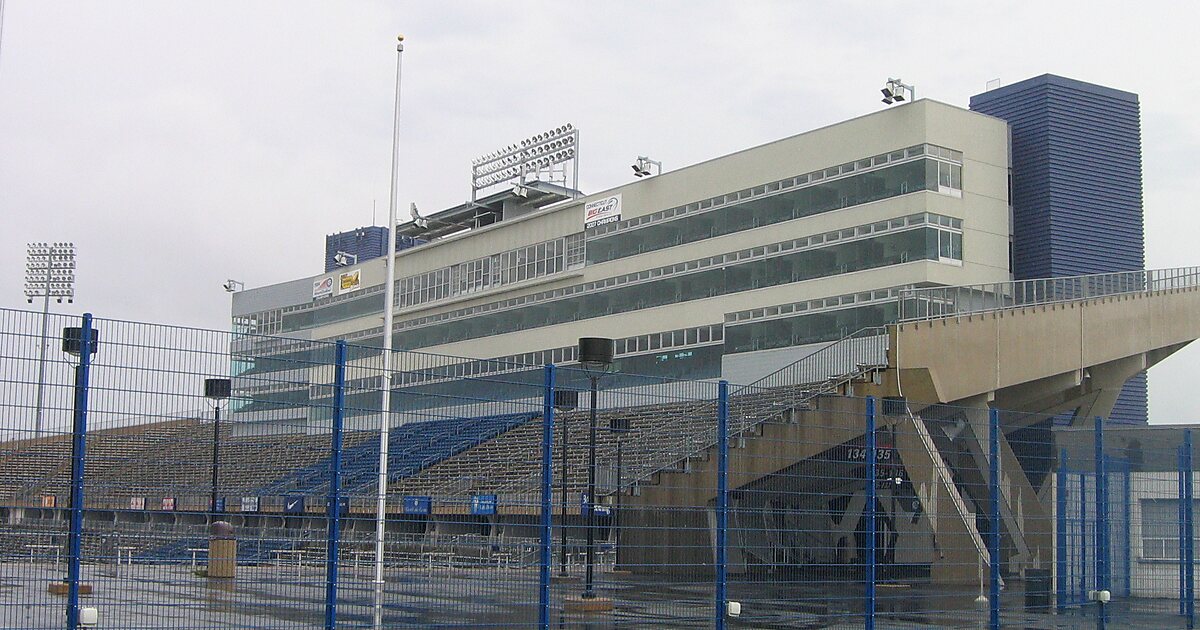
<point x="483" y="504"/>
<point x="49" y="500"/>
<point x="249" y="504"/>
<point x="585" y="507"/>
<point x="323" y="287"/>
<point x="168" y="504"/>
<point x="602" y="211"/>
<point x="417" y="505"/>
<point x="137" y="503"/>
<point x="293" y="505"/>
<point x="350" y="281"/>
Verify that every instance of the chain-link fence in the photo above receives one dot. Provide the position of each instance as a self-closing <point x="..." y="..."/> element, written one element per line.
<point x="168" y="477"/>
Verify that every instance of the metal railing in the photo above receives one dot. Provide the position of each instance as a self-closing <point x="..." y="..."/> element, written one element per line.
<point x="789" y="387"/>
<point x="937" y="302"/>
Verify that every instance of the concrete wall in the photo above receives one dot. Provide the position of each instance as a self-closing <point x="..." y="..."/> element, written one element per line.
<point x="969" y="355"/>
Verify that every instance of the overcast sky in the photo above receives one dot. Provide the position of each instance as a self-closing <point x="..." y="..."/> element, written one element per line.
<point x="181" y="144"/>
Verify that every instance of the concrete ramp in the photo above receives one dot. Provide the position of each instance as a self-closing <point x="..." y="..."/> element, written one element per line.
<point x="1047" y="357"/>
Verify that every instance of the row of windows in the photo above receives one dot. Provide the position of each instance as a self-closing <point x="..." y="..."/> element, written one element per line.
<point x="515" y="265"/>
<point x="681" y="338"/>
<point x="524" y="263"/>
<point x="798" y="181"/>
<point x="280" y="320"/>
<point x="819" y="327"/>
<point x="681" y="282"/>
<point x="681" y="343"/>
<point x="696" y="363"/>
<point x="895" y="180"/>
<point x="836" y="301"/>
<point x="815" y="240"/>
<point x="709" y="281"/>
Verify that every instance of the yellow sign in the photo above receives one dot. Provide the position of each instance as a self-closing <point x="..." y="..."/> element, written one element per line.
<point x="350" y="281"/>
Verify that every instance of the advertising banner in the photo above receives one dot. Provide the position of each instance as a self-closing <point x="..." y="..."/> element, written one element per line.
<point x="293" y="505"/>
<point x="417" y="505"/>
<point x="350" y="281"/>
<point x="323" y="287"/>
<point x="168" y="504"/>
<point x="137" y="503"/>
<point x="483" y="504"/>
<point x="249" y="504"/>
<point x="602" y="211"/>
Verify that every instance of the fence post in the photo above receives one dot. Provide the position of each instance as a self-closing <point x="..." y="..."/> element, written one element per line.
<point x="1083" y="537"/>
<point x="1182" y="553"/>
<point x="1060" y="521"/>
<point x="722" y="501"/>
<point x="994" y="531"/>
<point x="1189" y="524"/>
<point x="547" y="508"/>
<point x="869" y="569"/>
<point x="1102" y="532"/>
<point x="78" y="459"/>
<point x="1127" y="543"/>
<point x="333" y="512"/>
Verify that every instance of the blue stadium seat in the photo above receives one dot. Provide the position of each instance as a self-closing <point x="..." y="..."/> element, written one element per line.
<point x="411" y="448"/>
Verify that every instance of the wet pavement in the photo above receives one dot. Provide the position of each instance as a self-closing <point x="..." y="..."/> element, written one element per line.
<point x="287" y="596"/>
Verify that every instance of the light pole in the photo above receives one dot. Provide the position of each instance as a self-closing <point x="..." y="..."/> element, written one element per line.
<point x="216" y="389"/>
<point x="82" y="343"/>
<point x="389" y="296"/>
<point x="619" y="426"/>
<point x="564" y="400"/>
<point x="596" y="356"/>
<point x="49" y="273"/>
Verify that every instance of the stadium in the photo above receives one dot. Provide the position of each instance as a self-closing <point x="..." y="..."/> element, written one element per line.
<point x="887" y="371"/>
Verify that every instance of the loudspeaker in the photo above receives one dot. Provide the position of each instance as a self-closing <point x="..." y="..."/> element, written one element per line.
<point x="217" y="388"/>
<point x="72" y="342"/>
<point x="596" y="350"/>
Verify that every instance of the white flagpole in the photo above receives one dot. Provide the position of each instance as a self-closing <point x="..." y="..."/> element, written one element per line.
<point x="389" y="294"/>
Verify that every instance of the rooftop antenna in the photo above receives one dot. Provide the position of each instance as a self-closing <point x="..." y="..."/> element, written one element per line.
<point x="372" y="212"/>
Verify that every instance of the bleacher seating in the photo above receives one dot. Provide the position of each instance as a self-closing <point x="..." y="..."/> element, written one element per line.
<point x="411" y="448"/>
<point x="448" y="456"/>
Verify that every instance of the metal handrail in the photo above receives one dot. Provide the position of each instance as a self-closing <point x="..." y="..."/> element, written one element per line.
<point x="938" y="302"/>
<point x="818" y="373"/>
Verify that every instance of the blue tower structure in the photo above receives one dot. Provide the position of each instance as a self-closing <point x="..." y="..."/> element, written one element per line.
<point x="365" y="243"/>
<point x="1076" y="186"/>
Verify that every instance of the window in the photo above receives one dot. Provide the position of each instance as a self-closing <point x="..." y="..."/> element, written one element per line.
<point x="949" y="245"/>
<point x="1160" y="528"/>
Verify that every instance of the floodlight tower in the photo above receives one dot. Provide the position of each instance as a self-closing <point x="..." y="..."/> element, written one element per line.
<point x="540" y="157"/>
<point x="49" y="273"/>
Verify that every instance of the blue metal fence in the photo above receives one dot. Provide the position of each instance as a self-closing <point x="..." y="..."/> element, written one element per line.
<point x="639" y="502"/>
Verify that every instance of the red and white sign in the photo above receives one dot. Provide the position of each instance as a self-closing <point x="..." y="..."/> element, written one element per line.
<point x="168" y="504"/>
<point x="601" y="211"/>
<point x="323" y="287"/>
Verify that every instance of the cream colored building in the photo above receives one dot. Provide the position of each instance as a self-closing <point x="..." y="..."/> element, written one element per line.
<point x="729" y="268"/>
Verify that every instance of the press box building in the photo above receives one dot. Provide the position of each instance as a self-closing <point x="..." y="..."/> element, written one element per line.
<point x="730" y="268"/>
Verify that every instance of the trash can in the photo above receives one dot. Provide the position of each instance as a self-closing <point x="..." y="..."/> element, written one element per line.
<point x="222" y="551"/>
<point x="1037" y="589"/>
